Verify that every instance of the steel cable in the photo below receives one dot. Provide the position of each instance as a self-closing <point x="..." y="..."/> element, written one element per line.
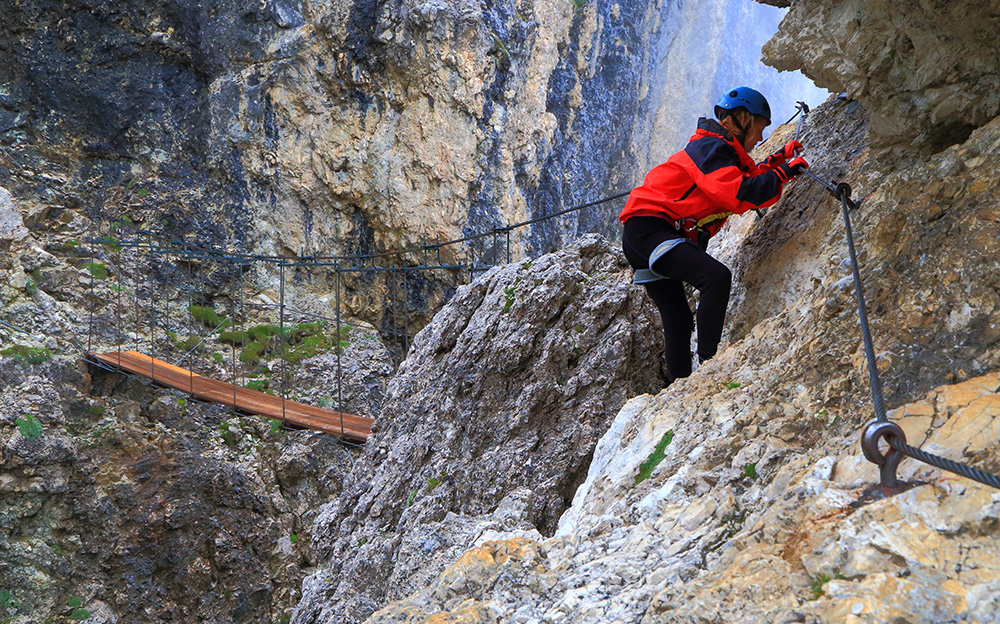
<point x="944" y="463"/>
<point x="895" y="441"/>
<point x="866" y="333"/>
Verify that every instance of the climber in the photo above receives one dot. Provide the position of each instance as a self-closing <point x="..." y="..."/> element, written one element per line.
<point x="683" y="202"/>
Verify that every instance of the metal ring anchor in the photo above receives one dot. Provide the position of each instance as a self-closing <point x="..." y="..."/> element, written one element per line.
<point x="875" y="431"/>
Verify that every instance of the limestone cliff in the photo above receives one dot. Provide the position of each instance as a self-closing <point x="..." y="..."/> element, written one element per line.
<point x="313" y="126"/>
<point x="760" y="508"/>
<point x="133" y="505"/>
<point x="759" y="511"/>
<point x="310" y="127"/>
<point x="926" y="71"/>
<point x="122" y="502"/>
<point x="290" y="127"/>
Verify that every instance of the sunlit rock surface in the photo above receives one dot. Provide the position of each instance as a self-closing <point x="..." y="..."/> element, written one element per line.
<point x="308" y="127"/>
<point x="702" y="541"/>
<point x="761" y="509"/>
<point x="292" y="126"/>
<point x="489" y="424"/>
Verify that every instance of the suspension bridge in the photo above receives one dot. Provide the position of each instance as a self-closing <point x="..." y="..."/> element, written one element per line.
<point x="235" y="329"/>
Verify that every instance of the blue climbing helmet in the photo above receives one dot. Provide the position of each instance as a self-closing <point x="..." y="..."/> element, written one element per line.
<point x="748" y="98"/>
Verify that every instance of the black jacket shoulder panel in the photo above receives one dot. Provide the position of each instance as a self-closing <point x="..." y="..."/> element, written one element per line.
<point x="711" y="154"/>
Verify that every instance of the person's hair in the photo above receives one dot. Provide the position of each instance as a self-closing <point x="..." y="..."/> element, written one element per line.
<point x="722" y="113"/>
<point x="731" y="122"/>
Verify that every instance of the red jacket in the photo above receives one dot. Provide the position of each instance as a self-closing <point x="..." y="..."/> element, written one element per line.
<point x="701" y="185"/>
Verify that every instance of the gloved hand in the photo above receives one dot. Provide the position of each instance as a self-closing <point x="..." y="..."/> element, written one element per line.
<point x="791" y="170"/>
<point x="783" y="155"/>
<point x="788" y="151"/>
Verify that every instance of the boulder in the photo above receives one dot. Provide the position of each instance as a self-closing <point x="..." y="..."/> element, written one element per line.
<point x="12" y="228"/>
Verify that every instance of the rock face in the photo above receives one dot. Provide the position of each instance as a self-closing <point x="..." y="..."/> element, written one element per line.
<point x="701" y="541"/>
<point x="933" y="316"/>
<point x="926" y="72"/>
<point x="295" y="127"/>
<point x="292" y="126"/>
<point x="12" y="228"/>
<point x="760" y="509"/>
<point x="144" y="507"/>
<point x="489" y="424"/>
<point x="140" y="504"/>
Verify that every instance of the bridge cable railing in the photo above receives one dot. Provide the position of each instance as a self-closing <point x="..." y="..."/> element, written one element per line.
<point x="137" y="309"/>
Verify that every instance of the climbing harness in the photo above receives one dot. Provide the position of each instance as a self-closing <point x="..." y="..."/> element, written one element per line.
<point x="688" y="226"/>
<point x="645" y="276"/>
<point x="702" y="224"/>
<point x="881" y="428"/>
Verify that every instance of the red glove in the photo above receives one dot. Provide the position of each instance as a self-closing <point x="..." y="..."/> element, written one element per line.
<point x="791" y="170"/>
<point x="788" y="151"/>
<point x="783" y="155"/>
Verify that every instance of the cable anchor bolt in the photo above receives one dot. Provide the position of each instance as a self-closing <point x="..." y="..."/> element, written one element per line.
<point x="843" y="191"/>
<point x="875" y="431"/>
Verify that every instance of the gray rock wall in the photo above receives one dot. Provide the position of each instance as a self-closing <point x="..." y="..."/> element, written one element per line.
<point x="760" y="506"/>
<point x="145" y="506"/>
<point x="489" y="423"/>
<point x="318" y="126"/>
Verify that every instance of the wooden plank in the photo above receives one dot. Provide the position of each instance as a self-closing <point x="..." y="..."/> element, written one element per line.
<point x="347" y="426"/>
<point x="135" y="355"/>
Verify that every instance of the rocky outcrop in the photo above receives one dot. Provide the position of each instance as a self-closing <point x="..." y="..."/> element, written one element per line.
<point x="489" y="424"/>
<point x="926" y="72"/>
<point x="919" y="233"/>
<point x="134" y="506"/>
<point x="760" y="509"/>
<point x="705" y="540"/>
<point x="12" y="228"/>
<point x="292" y="127"/>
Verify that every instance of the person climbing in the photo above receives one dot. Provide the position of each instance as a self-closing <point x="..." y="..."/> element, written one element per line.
<point x="682" y="203"/>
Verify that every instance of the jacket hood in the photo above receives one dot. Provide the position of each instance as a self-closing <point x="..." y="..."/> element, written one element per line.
<point x="713" y="126"/>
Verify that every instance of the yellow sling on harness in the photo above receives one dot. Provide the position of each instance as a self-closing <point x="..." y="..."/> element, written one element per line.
<point x="645" y="276"/>
<point x="712" y="218"/>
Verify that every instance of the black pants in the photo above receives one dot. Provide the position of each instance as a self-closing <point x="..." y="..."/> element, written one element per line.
<point x="685" y="263"/>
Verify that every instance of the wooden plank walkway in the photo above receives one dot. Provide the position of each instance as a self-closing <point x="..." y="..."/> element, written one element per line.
<point x="346" y="426"/>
